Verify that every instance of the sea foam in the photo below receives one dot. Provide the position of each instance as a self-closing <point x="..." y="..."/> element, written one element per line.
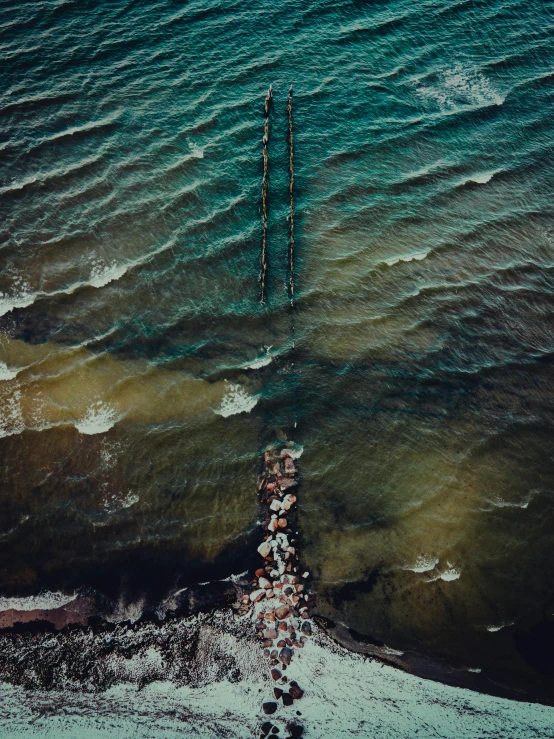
<point x="236" y="400"/>
<point x="99" y="419"/>
<point x="45" y="601"/>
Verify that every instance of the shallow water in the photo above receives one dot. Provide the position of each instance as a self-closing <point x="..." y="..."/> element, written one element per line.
<point x="136" y="388"/>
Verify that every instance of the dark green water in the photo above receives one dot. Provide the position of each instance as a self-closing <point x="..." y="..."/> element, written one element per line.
<point x="135" y="402"/>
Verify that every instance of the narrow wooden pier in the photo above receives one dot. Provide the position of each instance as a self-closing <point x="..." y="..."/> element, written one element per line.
<point x="291" y="201"/>
<point x="265" y="141"/>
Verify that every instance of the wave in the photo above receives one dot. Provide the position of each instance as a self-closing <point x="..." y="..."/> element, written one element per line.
<point x="90" y="126"/>
<point x="449" y="574"/>
<point x="44" y="601"/>
<point x="101" y="275"/>
<point x="6" y="373"/>
<point x="42" y="177"/>
<point x="458" y="88"/>
<point x="236" y="400"/>
<point x="417" y="257"/>
<point x="99" y="419"/>
<point x="480" y="178"/>
<point x="11" y="416"/>
<point x="262" y="362"/>
<point x="498" y="627"/>
<point x="424" y="563"/>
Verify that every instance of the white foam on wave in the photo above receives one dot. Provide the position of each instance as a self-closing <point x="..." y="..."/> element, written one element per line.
<point x="99" y="419"/>
<point x="480" y="178"/>
<point x="417" y="257"/>
<point x="262" y="362"/>
<point x="196" y="151"/>
<point x="498" y="627"/>
<point x="460" y="88"/>
<point x="45" y="601"/>
<point x="424" y="563"/>
<point x="6" y="373"/>
<point x="236" y="400"/>
<point x="115" y="503"/>
<point x="49" y="175"/>
<point x="11" y="416"/>
<point x="295" y="450"/>
<point x="101" y="274"/>
<point x="90" y="126"/>
<point x="449" y="574"/>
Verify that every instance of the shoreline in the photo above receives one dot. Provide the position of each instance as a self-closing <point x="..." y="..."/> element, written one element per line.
<point x="207" y="674"/>
<point x="49" y="637"/>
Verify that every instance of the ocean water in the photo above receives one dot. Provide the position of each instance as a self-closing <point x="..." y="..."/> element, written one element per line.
<point x="140" y="377"/>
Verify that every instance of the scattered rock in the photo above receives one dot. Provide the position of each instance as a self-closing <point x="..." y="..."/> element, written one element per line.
<point x="257" y="595"/>
<point x="285" y="655"/>
<point x="295" y="690"/>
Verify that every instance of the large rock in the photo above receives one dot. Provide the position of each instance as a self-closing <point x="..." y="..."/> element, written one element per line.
<point x="257" y="595"/>
<point x="285" y="655"/>
<point x="295" y="690"/>
<point x="306" y="628"/>
<point x="281" y="612"/>
<point x="265" y="548"/>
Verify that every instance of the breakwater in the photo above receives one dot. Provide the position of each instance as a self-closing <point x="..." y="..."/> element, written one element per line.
<point x="280" y="601"/>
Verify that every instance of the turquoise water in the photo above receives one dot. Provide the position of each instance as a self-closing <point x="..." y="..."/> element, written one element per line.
<point x="138" y="388"/>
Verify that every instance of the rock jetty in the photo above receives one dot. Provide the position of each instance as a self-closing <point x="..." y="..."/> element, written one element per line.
<point x="280" y="600"/>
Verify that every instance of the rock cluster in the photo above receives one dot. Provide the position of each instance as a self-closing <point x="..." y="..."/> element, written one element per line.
<point x="280" y="594"/>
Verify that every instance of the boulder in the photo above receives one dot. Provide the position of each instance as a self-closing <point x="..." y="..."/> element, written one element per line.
<point x="266" y="727"/>
<point x="285" y="655"/>
<point x="290" y="469"/>
<point x="270" y="634"/>
<point x="263" y="583"/>
<point x="265" y="548"/>
<point x="287" y="699"/>
<point x="295" y="690"/>
<point x="257" y="595"/>
<point x="281" y="612"/>
<point x="296" y="731"/>
<point x="269" y="707"/>
<point x="277" y="692"/>
<point x="282" y="523"/>
<point x="306" y="628"/>
<point x="287" y="482"/>
<point x="275" y="505"/>
<point x="275" y="673"/>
